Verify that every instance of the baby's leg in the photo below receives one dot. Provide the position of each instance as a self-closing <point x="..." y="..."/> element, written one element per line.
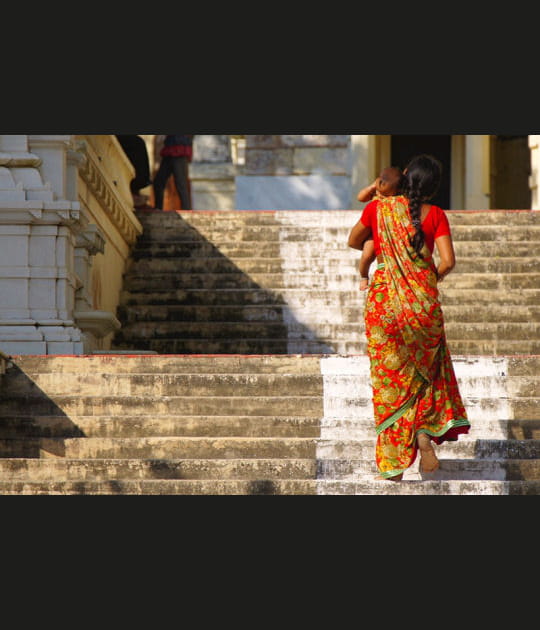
<point x="368" y="256"/>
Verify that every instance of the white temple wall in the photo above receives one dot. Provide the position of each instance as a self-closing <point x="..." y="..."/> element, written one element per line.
<point x="64" y="202"/>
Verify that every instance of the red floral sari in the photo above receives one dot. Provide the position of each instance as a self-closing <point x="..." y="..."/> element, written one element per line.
<point x="413" y="380"/>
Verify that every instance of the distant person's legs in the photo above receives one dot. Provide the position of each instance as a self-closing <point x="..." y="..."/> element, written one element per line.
<point x="160" y="181"/>
<point x="135" y="149"/>
<point x="181" y="179"/>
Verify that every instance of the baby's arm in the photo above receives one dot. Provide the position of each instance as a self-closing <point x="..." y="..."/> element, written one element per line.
<point x="367" y="193"/>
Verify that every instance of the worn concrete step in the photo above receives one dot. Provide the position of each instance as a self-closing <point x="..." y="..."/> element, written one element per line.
<point x="206" y="217"/>
<point x="270" y="487"/>
<point x="496" y="249"/>
<point x="48" y="469"/>
<point x="236" y="251"/>
<point x="481" y="428"/>
<point x="243" y="313"/>
<point x="316" y="264"/>
<point x="243" y="346"/>
<point x="497" y="313"/>
<point x="322" y="234"/>
<point x="234" y="297"/>
<point x="282" y="405"/>
<point x="160" y="448"/>
<point x="454" y="487"/>
<point x="318" y="297"/>
<point x="153" y="425"/>
<point x="241" y="330"/>
<point x="461" y="449"/>
<point x="239" y="280"/>
<point x="253" y="264"/>
<point x="486" y="299"/>
<point x="163" y="487"/>
<point x="500" y="217"/>
<point x="239" y="253"/>
<point x="472" y="469"/>
<point x="524" y="408"/>
<point x="495" y="347"/>
<point x="507" y="331"/>
<point x="202" y="330"/>
<point x="226" y="384"/>
<point x="311" y="316"/>
<point x="342" y="281"/>
<point x="165" y="364"/>
<point x="95" y="384"/>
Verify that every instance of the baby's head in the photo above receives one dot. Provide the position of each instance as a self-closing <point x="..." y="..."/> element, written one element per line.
<point x="389" y="181"/>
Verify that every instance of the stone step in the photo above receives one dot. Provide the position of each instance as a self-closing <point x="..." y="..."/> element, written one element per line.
<point x="242" y="346"/>
<point x="456" y="469"/>
<point x="495" y="347"/>
<point x="95" y="384"/>
<point x="52" y="405"/>
<point x="163" y="487"/>
<point x="311" y="265"/>
<point x="239" y="252"/>
<point x="160" y="448"/>
<point x="324" y="233"/>
<point x="163" y="425"/>
<point x="500" y="217"/>
<point x="168" y="364"/>
<point x="269" y="487"/>
<point x="53" y="470"/>
<point x="318" y="298"/>
<point x="497" y="313"/>
<point x="140" y="332"/>
<point x="482" y="428"/>
<point x="462" y="449"/>
<point x="215" y="384"/>
<point x="486" y="299"/>
<point x="235" y="426"/>
<point x="332" y="314"/>
<point x="234" y="297"/>
<point x="493" y="330"/>
<point x="181" y="250"/>
<point x="439" y="488"/>
<point x="300" y="281"/>
<point x="241" y="330"/>
<point x="253" y="313"/>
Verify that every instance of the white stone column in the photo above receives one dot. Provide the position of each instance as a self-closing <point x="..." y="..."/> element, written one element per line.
<point x="534" y="145"/>
<point x="38" y="226"/>
<point x="477" y="172"/>
<point x="361" y="148"/>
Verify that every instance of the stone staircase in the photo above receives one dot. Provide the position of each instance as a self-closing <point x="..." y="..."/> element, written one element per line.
<point x="286" y="283"/>
<point x="160" y="425"/>
<point x="274" y="424"/>
<point x="241" y="367"/>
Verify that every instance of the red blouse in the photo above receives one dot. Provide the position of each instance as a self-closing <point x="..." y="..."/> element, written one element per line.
<point x="434" y="225"/>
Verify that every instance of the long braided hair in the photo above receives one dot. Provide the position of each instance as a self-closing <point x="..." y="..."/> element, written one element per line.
<point x="422" y="181"/>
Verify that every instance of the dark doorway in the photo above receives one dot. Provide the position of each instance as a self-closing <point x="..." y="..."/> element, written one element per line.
<point x="511" y="168"/>
<point x="405" y="147"/>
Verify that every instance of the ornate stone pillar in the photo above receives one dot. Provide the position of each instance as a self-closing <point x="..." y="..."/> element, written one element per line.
<point x="477" y="172"/>
<point x="38" y="227"/>
<point x="534" y="145"/>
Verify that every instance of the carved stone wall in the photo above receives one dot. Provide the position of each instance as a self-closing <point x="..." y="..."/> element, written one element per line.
<point x="64" y="204"/>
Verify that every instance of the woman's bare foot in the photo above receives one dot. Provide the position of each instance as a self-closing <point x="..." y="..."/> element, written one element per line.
<point x="428" y="458"/>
